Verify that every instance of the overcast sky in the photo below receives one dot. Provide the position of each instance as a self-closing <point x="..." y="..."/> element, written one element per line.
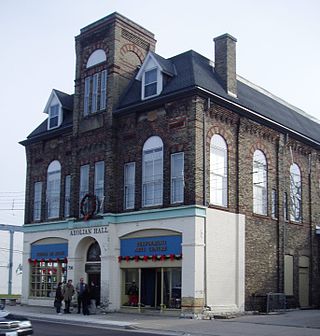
<point x="278" y="49"/>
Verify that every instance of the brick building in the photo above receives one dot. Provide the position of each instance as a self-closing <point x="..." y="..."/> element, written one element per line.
<point x="175" y="174"/>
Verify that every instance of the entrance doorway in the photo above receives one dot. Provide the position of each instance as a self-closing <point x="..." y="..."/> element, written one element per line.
<point x="158" y="287"/>
<point x="94" y="285"/>
<point x="304" y="281"/>
<point x="93" y="270"/>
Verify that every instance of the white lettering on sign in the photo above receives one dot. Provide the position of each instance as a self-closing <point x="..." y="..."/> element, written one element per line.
<point x="88" y="231"/>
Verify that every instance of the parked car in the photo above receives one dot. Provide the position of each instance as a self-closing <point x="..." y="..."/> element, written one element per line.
<point x="14" y="325"/>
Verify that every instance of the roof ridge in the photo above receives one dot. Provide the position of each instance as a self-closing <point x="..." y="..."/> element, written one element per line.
<point x="276" y="98"/>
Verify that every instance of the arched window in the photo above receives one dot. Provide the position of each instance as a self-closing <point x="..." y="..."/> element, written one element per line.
<point x="94" y="252"/>
<point x="53" y="189"/>
<point x="259" y="179"/>
<point x="295" y="193"/>
<point x="152" y="172"/>
<point x="218" y="171"/>
<point x="98" y="56"/>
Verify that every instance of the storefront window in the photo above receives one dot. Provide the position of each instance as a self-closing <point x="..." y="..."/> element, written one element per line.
<point x="158" y="288"/>
<point x="130" y="276"/>
<point x="45" y="275"/>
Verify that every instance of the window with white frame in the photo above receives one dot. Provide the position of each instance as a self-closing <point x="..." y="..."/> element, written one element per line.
<point x="274" y="204"/>
<point x="95" y="93"/>
<point x="285" y="207"/>
<point x="218" y="171"/>
<point x="129" y="185"/>
<point x="295" y="193"/>
<point x="84" y="182"/>
<point x="99" y="184"/>
<point x="259" y="180"/>
<point x="97" y="57"/>
<point x="103" y="90"/>
<point x="150" y="82"/>
<point x="177" y="177"/>
<point x="67" y="196"/>
<point x="37" y="201"/>
<point x="94" y="99"/>
<point x="87" y="90"/>
<point x="54" y="116"/>
<point x="53" y="189"/>
<point x="152" y="172"/>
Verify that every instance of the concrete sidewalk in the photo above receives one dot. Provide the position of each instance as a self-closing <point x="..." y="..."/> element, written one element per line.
<point x="293" y="323"/>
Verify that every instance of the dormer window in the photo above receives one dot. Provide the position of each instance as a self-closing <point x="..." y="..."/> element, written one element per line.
<point x="150" y="83"/>
<point x="58" y="103"/>
<point x="151" y="75"/>
<point x="53" y="116"/>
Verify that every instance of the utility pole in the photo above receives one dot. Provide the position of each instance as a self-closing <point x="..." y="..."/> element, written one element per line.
<point x="12" y="229"/>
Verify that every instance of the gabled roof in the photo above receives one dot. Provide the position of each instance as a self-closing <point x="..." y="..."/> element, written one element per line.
<point x="166" y="66"/>
<point x="66" y="101"/>
<point x="192" y="70"/>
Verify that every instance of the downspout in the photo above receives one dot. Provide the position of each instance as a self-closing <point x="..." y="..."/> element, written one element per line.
<point x="204" y="157"/>
<point x="11" y="231"/>
<point x="311" y="230"/>
<point x="237" y="168"/>
<point x="278" y="216"/>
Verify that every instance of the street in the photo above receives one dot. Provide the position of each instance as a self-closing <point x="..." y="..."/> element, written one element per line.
<point x="46" y="328"/>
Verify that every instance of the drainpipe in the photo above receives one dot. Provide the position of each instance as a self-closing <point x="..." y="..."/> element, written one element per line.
<point x="237" y="169"/>
<point x="279" y="249"/>
<point x="205" y="198"/>
<point x="311" y="230"/>
<point x="10" y="262"/>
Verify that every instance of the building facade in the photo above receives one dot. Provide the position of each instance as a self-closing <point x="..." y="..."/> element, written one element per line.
<point x="11" y="238"/>
<point x="175" y="174"/>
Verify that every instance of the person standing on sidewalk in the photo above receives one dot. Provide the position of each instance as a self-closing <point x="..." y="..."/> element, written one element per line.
<point x="68" y="291"/>
<point x="83" y="296"/>
<point x="58" y="298"/>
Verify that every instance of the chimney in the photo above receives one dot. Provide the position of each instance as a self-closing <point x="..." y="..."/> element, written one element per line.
<point x="225" y="62"/>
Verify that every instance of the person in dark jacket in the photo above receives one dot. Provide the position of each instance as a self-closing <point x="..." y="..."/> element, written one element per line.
<point x="83" y="297"/>
<point x="58" y="298"/>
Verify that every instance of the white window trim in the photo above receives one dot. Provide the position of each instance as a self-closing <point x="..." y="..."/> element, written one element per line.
<point x="53" y="185"/>
<point x="259" y="167"/>
<point x="224" y="177"/>
<point x="37" y="201"/>
<point x="295" y="197"/>
<point x="175" y="178"/>
<point x="94" y="94"/>
<point x="126" y="184"/>
<point x="50" y="116"/>
<point x="86" y="99"/>
<point x="103" y="89"/>
<point x="153" y="144"/>
<point x="99" y="183"/>
<point x="67" y="196"/>
<point x="97" y="57"/>
<point x="53" y="101"/>
<point x="83" y="187"/>
<point x="159" y="83"/>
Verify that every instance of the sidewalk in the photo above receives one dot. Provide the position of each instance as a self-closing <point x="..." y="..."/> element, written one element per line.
<point x="293" y="323"/>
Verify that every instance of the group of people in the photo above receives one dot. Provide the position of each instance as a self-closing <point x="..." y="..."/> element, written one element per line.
<point x="84" y="296"/>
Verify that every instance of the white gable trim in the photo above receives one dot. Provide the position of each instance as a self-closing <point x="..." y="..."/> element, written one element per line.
<point x="53" y="100"/>
<point x="149" y="63"/>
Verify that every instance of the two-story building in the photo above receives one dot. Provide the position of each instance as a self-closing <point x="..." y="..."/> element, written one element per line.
<point x="176" y="174"/>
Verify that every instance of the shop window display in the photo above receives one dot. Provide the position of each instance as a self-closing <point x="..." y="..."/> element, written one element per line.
<point x="45" y="276"/>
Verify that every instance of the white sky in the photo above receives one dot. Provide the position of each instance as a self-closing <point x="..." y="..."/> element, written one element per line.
<point x="278" y="49"/>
